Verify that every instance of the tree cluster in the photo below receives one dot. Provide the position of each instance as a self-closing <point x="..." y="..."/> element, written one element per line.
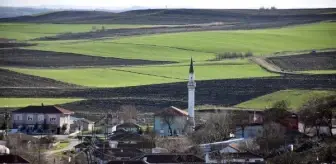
<point x="217" y="128"/>
<point x="232" y="55"/>
<point x="318" y="112"/>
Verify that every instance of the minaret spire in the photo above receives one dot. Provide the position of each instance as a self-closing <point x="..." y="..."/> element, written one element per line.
<point x="191" y="69"/>
<point x="191" y="94"/>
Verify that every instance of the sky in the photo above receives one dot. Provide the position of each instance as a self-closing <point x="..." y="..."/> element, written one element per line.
<point x="220" y="4"/>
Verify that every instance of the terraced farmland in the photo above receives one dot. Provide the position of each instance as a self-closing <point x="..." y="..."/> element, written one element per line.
<point x="26" y="31"/>
<point x="205" y="45"/>
<point x="260" y="42"/>
<point x="125" y="51"/>
<point x="107" y="69"/>
<point x="318" y="62"/>
<point x="133" y="76"/>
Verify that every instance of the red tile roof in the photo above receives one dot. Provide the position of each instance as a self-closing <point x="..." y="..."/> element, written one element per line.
<point x="172" y="111"/>
<point x="43" y="109"/>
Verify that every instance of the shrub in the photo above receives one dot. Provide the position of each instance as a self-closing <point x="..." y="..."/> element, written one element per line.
<point x="64" y="127"/>
<point x="48" y="139"/>
<point x="232" y="55"/>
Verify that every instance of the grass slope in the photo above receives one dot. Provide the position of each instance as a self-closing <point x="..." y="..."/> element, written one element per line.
<point x="204" y="45"/>
<point x="25" y="31"/>
<point x="296" y="98"/>
<point x="21" y="102"/>
<point x="133" y="76"/>
<point x="127" y="51"/>
<point x="265" y="41"/>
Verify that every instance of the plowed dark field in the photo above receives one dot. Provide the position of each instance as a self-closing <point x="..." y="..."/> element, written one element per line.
<point x="221" y="92"/>
<point x="304" y="62"/>
<point x="14" y="79"/>
<point x="35" y="58"/>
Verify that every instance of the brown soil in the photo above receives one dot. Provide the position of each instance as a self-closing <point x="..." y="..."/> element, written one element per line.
<point x="14" y="79"/>
<point x="216" y="92"/>
<point x="304" y="62"/>
<point x="35" y="58"/>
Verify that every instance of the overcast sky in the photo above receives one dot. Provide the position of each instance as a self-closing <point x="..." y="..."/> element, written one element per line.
<point x="117" y="4"/>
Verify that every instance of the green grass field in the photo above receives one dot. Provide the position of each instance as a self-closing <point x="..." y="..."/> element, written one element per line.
<point x="204" y="45"/>
<point x="25" y="31"/>
<point x="320" y="72"/>
<point x="265" y="41"/>
<point x="133" y="76"/>
<point x="296" y="98"/>
<point x="127" y="51"/>
<point x="22" y="102"/>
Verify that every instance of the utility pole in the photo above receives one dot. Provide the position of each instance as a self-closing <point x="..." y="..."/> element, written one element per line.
<point x="6" y="120"/>
<point x="39" y="149"/>
<point x="105" y="129"/>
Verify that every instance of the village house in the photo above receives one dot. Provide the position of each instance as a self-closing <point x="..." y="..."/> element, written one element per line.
<point x="128" y="127"/>
<point x="84" y="124"/>
<point x="26" y="119"/>
<point x="124" y="139"/>
<point x="171" y="121"/>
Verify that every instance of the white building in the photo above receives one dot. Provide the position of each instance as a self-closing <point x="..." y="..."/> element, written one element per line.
<point x="191" y="93"/>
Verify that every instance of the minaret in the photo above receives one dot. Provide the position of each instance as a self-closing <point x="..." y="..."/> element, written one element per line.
<point x="191" y="93"/>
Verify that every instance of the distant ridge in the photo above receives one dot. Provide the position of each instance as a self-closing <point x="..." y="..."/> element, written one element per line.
<point x="179" y="16"/>
<point x="7" y="12"/>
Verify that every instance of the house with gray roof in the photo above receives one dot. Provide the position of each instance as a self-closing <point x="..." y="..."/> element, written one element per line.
<point x="46" y="119"/>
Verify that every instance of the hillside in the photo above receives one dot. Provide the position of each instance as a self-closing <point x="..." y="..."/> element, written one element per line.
<point x="7" y="12"/>
<point x="294" y="98"/>
<point x="180" y="16"/>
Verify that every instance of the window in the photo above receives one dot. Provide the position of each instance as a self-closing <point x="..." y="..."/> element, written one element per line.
<point x="52" y="118"/>
<point x="40" y="117"/>
<point x="18" y="117"/>
<point x="30" y="117"/>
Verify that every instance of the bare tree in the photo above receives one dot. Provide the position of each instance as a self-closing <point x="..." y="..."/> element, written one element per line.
<point x="217" y="128"/>
<point x="242" y="120"/>
<point x="287" y="158"/>
<point x="174" y="145"/>
<point x="29" y="151"/>
<point x="271" y="138"/>
<point x="250" y="145"/>
<point x="128" y="113"/>
<point x="169" y="120"/>
<point x="151" y="137"/>
<point x="319" y="111"/>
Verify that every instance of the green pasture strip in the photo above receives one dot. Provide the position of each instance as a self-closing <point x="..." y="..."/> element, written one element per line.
<point x="96" y="77"/>
<point x="204" y="72"/>
<point x="134" y="76"/>
<point x="22" y="102"/>
<point x="25" y="31"/>
<point x="320" y="72"/>
<point x="126" y="51"/>
<point x="260" y="42"/>
<point x="203" y="46"/>
<point x="296" y="98"/>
